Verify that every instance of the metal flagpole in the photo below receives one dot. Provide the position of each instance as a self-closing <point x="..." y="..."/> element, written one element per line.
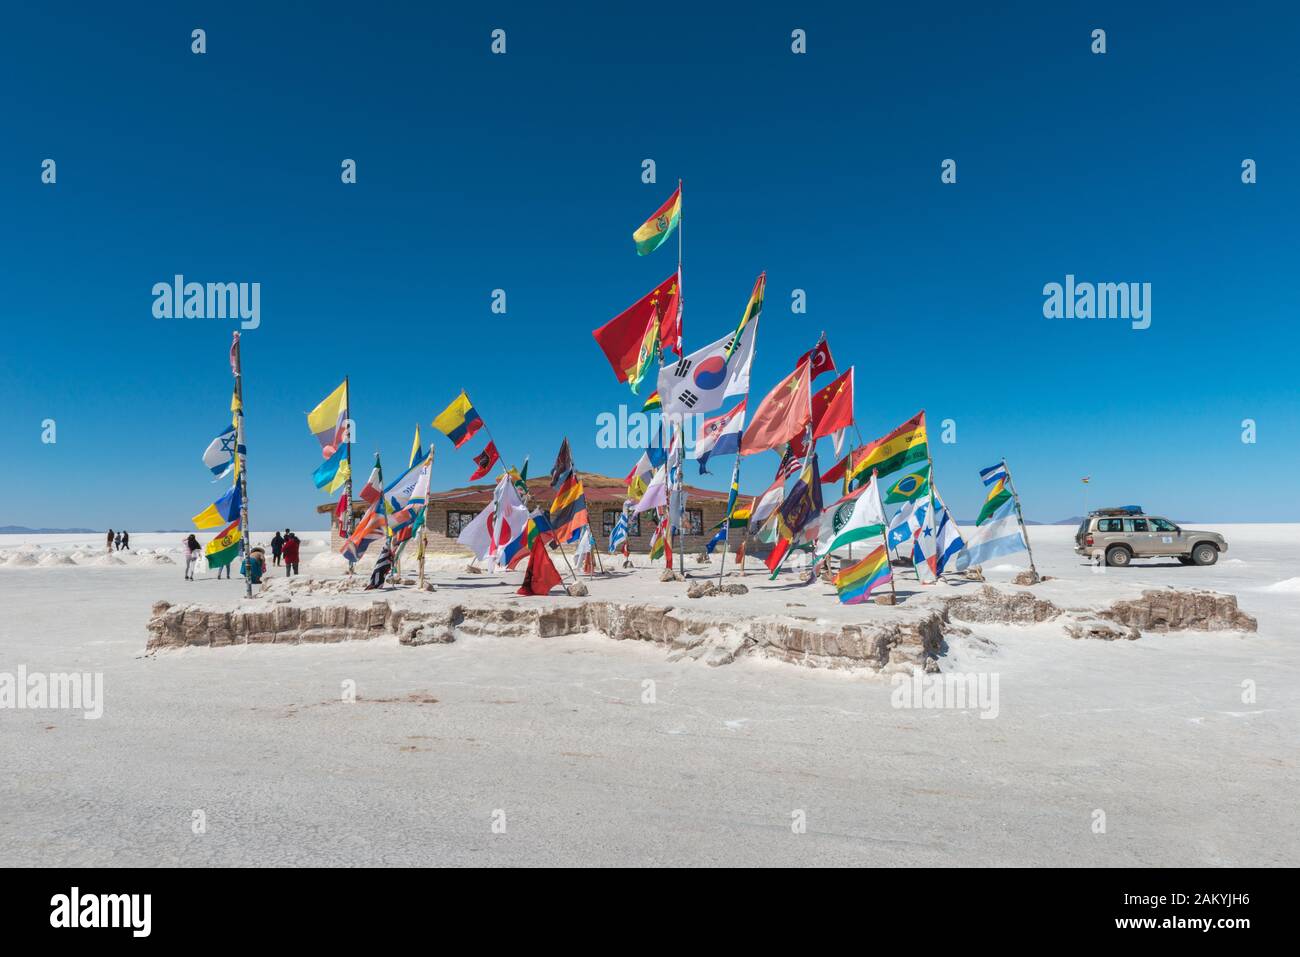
<point x="726" y="528"/>
<point x="237" y="367"/>
<point x="1015" y="496"/>
<point x="424" y="526"/>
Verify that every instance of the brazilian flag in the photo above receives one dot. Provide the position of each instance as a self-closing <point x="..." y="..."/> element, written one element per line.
<point x="909" y="487"/>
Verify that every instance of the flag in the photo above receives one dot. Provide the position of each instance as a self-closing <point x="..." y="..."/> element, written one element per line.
<point x="653" y="403"/>
<point x="223" y="549"/>
<point x="409" y="490"/>
<point x="995" y="479"/>
<point x="417" y="452"/>
<point x="781" y="416"/>
<point x="832" y="407"/>
<point x="234" y="354"/>
<point x="819" y="358"/>
<point x="701" y="381"/>
<point x="373" y="490"/>
<point x="718" y="538"/>
<point x="619" y="533"/>
<point x="541" y="575"/>
<point x="341" y="511"/>
<point x="855" y="517"/>
<point x="459" y="421"/>
<point x="1086" y="479"/>
<point x="536" y="527"/>
<point x="563" y="466"/>
<point x="583" y="553"/>
<point x="520" y="478"/>
<point x="904" y="446"/>
<point x="371" y="527"/>
<point x="855" y="584"/>
<point x="328" y="421"/>
<point x="768" y="503"/>
<point x="1000" y="535"/>
<point x="644" y="466"/>
<point x="910" y="486"/>
<point x="753" y="309"/>
<point x="219" y="456"/>
<point x="804" y="503"/>
<point x="651" y="234"/>
<point x="907" y="522"/>
<point x="568" y="510"/>
<point x="325" y="472"/>
<point x="720" y="436"/>
<point x="484" y="461"/>
<point x="622" y="337"/>
<point x="947" y="539"/>
<point x="656" y="493"/>
<point x="485" y="535"/>
<point x="221" y="512"/>
<point x="777" y="555"/>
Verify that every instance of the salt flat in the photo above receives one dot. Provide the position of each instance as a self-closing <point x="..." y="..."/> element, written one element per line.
<point x="552" y="736"/>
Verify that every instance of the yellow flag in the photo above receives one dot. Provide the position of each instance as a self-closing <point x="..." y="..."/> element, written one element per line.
<point x="342" y="475"/>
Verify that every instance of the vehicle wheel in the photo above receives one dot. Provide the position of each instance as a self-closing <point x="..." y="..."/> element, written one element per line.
<point x="1184" y="560"/>
<point x="1118" y="556"/>
<point x="1205" y="554"/>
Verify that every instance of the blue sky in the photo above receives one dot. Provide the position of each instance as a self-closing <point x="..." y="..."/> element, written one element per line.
<point x="522" y="172"/>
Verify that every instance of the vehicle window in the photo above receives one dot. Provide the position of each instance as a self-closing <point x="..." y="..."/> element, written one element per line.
<point x="1135" y="524"/>
<point x="1110" y="525"/>
<point x="1164" y="525"/>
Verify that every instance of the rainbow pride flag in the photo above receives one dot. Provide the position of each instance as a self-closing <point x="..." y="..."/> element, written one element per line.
<point x="856" y="583"/>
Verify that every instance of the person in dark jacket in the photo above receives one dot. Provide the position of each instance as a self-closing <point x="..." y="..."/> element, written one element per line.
<point x="289" y="552"/>
<point x="126" y="541"/>
<point x="110" y="539"/>
<point x="276" y="544"/>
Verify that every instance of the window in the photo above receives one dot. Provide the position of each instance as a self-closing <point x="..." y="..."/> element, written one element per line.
<point x="1135" y="524"/>
<point x="611" y="516"/>
<point x="1110" y="525"/>
<point x="1164" y="525"/>
<point x="456" y="522"/>
<point x="694" y="521"/>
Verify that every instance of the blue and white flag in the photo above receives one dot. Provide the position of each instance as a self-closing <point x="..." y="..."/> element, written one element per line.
<point x="999" y="535"/>
<point x="948" y="542"/>
<point x="909" y="520"/>
<point x="994" y="472"/>
<point x="619" y="535"/>
<point x="720" y="436"/>
<point x="220" y="454"/>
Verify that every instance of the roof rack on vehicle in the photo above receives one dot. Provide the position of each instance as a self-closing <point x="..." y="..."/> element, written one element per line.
<point x="1118" y="510"/>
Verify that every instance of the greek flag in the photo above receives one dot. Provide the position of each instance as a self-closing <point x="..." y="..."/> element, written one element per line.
<point x="619" y="535"/>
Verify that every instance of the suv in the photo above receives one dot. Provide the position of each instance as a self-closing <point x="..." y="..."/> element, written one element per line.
<point x="1125" y="533"/>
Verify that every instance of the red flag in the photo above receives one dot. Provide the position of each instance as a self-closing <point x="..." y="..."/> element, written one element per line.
<point x="832" y="407"/>
<point x="234" y="356"/>
<point x="820" y="357"/>
<point x="341" y="511"/>
<point x="485" y="460"/>
<point x="782" y="414"/>
<point x="773" y="560"/>
<point x="540" y="576"/>
<point x="620" y="338"/>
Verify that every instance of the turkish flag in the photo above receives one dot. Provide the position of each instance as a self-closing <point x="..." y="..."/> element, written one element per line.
<point x="832" y="407"/>
<point x="782" y="414"/>
<point x="540" y="576"/>
<point x="820" y="357"/>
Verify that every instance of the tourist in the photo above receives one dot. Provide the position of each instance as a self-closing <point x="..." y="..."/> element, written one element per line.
<point x="253" y="566"/>
<point x="289" y="552"/>
<point x="110" y="540"/>
<point x="276" y="544"/>
<point x="126" y="541"/>
<point x="192" y="552"/>
<point x="117" y="541"/>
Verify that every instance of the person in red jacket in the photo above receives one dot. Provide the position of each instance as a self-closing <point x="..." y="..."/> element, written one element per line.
<point x="289" y="554"/>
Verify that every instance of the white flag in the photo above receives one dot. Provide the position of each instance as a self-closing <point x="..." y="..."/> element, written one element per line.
<point x="701" y="381"/>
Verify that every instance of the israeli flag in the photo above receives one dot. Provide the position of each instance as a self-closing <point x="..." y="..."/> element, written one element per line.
<point x="220" y="454"/>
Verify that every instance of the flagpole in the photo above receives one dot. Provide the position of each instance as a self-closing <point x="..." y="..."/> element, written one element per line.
<point x="726" y="528"/>
<point x="238" y="369"/>
<point x="424" y="526"/>
<point x="875" y="474"/>
<point x="347" y="487"/>
<point x="1020" y="518"/>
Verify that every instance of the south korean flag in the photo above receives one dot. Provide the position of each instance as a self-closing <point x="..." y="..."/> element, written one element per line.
<point x="701" y="381"/>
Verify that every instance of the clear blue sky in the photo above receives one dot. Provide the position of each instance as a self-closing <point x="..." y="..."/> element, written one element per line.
<point x="522" y="172"/>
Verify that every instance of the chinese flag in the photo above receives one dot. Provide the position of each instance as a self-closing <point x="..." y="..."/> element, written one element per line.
<point x="620" y="338"/>
<point x="782" y="414"/>
<point x="832" y="407"/>
<point x="540" y="576"/>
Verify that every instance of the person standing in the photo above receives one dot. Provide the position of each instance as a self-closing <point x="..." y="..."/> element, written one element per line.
<point x="126" y="541"/>
<point x="276" y="544"/>
<point x="289" y="552"/>
<point x="110" y="541"/>
<point x="192" y="550"/>
<point x="117" y="541"/>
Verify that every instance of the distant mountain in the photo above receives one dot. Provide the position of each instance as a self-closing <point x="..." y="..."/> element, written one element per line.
<point x="24" y="530"/>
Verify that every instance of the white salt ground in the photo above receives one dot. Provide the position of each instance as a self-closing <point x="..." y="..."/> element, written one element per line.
<point x="553" y="734"/>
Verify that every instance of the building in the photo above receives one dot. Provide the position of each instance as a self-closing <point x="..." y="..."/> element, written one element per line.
<point x="452" y="510"/>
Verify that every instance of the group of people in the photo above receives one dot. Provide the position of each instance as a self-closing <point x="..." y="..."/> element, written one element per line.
<point x="118" y="541"/>
<point x="284" y="550"/>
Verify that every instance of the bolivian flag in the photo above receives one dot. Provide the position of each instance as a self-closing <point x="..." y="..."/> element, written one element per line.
<point x="652" y="233"/>
<point x="223" y="549"/>
<point x="223" y="510"/>
<point x="904" y="446"/>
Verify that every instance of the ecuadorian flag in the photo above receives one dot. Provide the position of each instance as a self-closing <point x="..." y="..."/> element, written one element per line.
<point x="856" y="583"/>
<point x="651" y="234"/>
<point x="459" y="421"/>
